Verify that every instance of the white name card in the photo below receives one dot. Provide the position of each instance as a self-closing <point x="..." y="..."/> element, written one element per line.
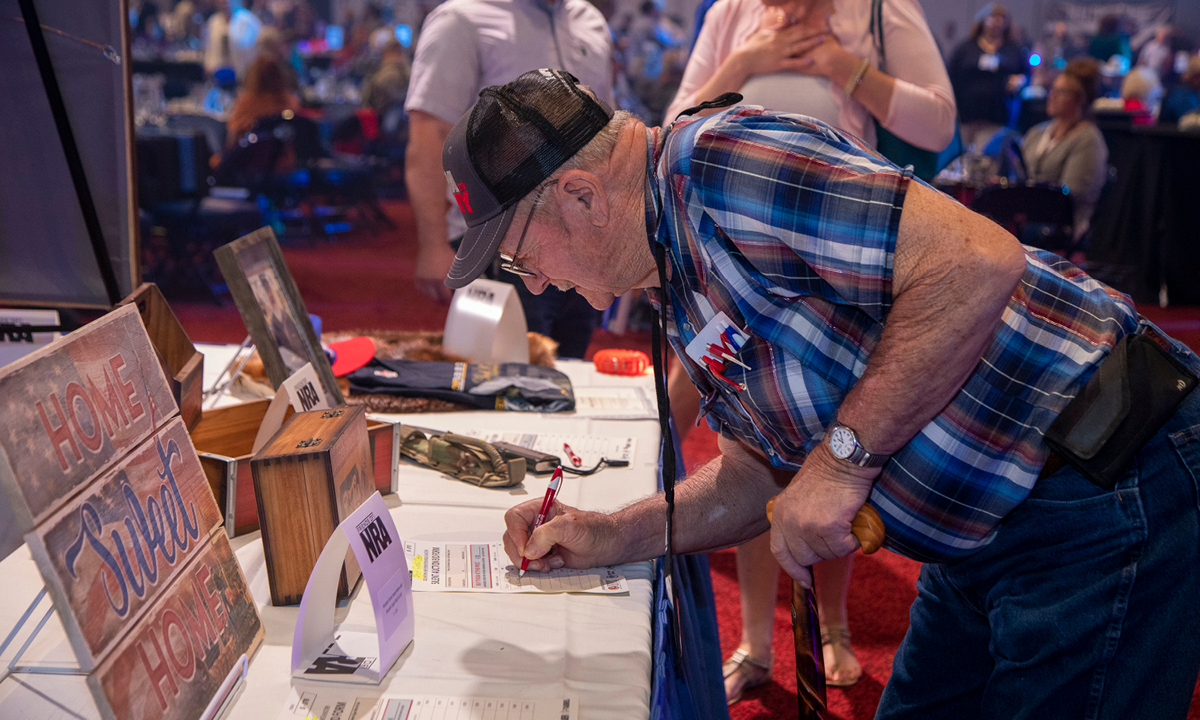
<point x="322" y="652"/>
<point x="305" y="391"/>
<point x="486" y="324"/>
<point x="18" y="343"/>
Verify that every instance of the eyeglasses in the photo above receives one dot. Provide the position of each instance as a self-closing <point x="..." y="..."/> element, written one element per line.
<point x="509" y="262"/>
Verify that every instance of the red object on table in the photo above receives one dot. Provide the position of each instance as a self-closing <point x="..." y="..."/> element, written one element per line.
<point x="547" y="503"/>
<point x="621" y="362"/>
<point x="575" y="459"/>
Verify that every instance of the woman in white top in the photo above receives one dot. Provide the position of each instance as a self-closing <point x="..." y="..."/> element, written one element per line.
<point x="802" y="55"/>
<point x="816" y="58"/>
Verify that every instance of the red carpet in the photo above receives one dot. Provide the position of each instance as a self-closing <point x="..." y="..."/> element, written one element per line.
<point x="366" y="282"/>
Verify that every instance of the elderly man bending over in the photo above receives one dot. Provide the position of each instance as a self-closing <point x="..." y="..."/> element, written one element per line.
<point x="858" y="338"/>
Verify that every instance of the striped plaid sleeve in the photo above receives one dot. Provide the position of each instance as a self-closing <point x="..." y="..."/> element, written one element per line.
<point x="812" y="209"/>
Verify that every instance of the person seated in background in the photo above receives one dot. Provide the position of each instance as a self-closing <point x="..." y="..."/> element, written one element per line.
<point x="986" y="71"/>
<point x="1141" y="91"/>
<point x="1068" y="149"/>
<point x="272" y="44"/>
<point x="388" y="84"/>
<point x="1184" y="98"/>
<point x="264" y="94"/>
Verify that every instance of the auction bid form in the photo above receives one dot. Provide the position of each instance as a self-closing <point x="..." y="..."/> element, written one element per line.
<point x="484" y="567"/>
<point x="340" y="703"/>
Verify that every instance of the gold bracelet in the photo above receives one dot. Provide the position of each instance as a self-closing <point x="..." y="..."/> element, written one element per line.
<point x="857" y="78"/>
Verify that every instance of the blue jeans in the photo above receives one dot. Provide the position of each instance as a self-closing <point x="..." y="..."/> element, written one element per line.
<point x="1085" y="605"/>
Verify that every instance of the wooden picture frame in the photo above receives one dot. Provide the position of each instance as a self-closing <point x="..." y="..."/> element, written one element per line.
<point x="272" y="309"/>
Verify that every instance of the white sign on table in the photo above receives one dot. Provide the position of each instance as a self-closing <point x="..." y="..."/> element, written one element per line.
<point x="320" y="653"/>
<point x="486" y="324"/>
<point x="18" y="343"/>
<point x="303" y="391"/>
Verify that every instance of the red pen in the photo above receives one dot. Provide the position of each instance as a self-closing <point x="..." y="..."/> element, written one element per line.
<point x="547" y="503"/>
<point x="575" y="459"/>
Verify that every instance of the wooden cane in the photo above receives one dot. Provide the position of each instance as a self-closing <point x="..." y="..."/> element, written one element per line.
<point x="867" y="526"/>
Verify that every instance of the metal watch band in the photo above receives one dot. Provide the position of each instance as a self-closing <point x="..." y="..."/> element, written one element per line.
<point x="860" y="456"/>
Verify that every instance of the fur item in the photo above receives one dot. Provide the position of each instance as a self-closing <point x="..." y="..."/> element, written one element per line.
<point x="408" y="345"/>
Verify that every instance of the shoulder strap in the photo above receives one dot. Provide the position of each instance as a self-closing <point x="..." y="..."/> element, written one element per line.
<point x="877" y="31"/>
<point x="721" y="101"/>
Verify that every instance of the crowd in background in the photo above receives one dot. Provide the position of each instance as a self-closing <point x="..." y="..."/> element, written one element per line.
<point x="650" y="51"/>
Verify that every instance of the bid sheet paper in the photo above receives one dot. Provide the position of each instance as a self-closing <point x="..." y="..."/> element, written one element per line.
<point x="334" y="703"/>
<point x="484" y="567"/>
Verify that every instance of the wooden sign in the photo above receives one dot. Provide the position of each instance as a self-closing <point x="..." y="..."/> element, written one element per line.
<point x="103" y="478"/>
<point x="74" y="407"/>
<point x="119" y="544"/>
<point x="176" y="657"/>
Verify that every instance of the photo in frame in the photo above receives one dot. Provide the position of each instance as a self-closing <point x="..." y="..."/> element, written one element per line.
<point x="272" y="309"/>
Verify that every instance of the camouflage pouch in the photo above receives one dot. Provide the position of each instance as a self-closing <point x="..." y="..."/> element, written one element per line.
<point x="467" y="459"/>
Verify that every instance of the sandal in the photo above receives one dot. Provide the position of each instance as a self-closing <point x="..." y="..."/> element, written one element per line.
<point x="752" y="671"/>
<point x="839" y="637"/>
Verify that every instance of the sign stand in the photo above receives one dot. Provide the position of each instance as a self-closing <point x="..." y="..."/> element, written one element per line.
<point x="218" y="389"/>
<point x="15" y="669"/>
<point x="318" y="653"/>
<point x="218" y="704"/>
<point x="486" y="324"/>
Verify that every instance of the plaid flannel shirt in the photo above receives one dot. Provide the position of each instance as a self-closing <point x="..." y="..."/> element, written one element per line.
<point x="788" y="226"/>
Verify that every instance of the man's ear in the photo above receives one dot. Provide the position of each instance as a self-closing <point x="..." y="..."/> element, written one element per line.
<point x="582" y="198"/>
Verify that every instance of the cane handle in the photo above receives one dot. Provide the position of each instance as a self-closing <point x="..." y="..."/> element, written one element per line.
<point x="866" y="526"/>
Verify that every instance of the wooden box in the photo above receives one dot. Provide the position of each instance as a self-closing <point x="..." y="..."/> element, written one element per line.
<point x="307" y="479"/>
<point x="225" y="438"/>
<point x="182" y="363"/>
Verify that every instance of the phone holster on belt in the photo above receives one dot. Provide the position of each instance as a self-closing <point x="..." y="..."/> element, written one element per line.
<point x="1133" y="392"/>
<point x="468" y="459"/>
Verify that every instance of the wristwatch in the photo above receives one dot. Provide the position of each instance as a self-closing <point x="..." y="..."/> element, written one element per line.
<point x="843" y="443"/>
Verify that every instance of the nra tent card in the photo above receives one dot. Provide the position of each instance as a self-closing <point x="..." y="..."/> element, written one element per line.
<point x="319" y="652"/>
<point x="305" y="392"/>
<point x="330" y="702"/>
<point x="484" y="567"/>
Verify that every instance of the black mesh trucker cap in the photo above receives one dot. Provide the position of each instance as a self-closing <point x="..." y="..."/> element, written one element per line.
<point x="515" y="136"/>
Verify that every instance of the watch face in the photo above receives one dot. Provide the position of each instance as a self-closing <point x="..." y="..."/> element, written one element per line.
<point x="842" y="443"/>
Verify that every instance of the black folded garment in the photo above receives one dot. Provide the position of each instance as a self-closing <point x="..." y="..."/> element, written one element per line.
<point x="508" y="386"/>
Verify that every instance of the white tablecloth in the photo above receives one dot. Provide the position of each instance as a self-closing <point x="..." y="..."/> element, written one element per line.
<point x="597" y="648"/>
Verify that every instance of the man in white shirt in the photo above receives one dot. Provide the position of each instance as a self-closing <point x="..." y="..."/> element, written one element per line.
<point x="465" y="46"/>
